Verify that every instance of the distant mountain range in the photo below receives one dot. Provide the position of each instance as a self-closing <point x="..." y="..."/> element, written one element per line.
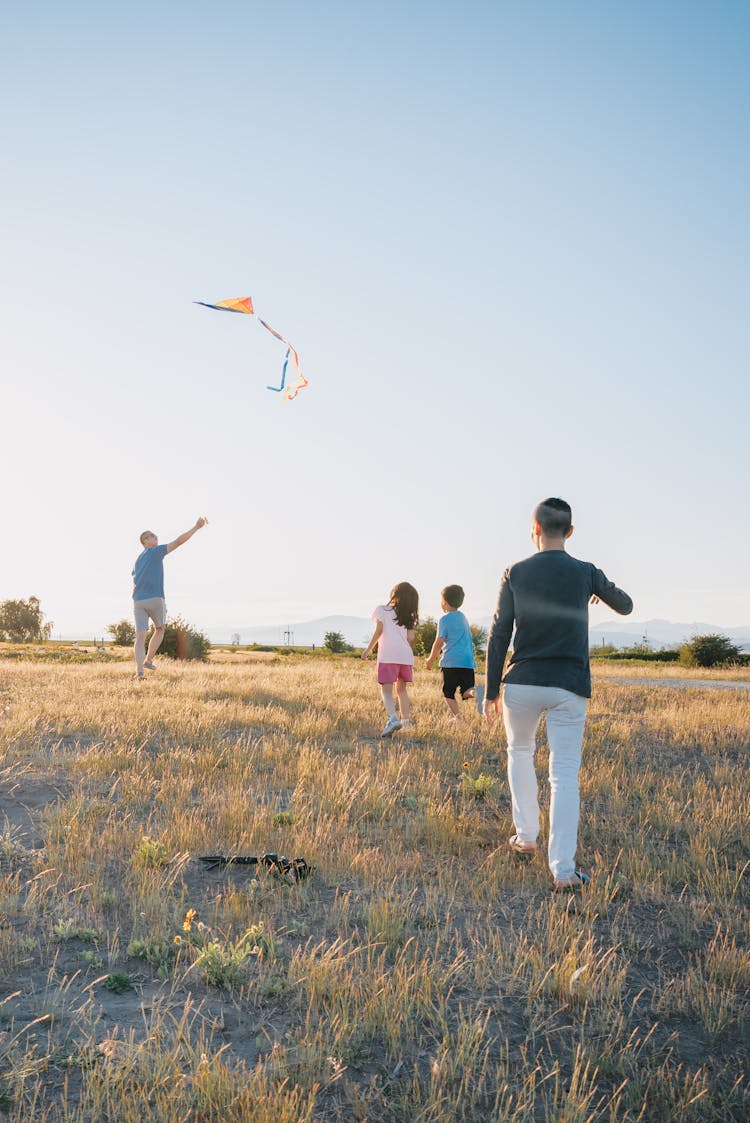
<point x="358" y="629"/>
<point x="355" y="630"/>
<point x="663" y="633"/>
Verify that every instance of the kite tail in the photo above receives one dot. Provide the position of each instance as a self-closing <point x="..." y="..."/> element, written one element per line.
<point x="289" y="392"/>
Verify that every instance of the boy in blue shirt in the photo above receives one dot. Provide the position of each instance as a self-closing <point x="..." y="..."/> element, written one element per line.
<point x="454" y="645"/>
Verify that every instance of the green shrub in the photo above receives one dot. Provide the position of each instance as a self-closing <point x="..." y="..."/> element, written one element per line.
<point x="335" y="643"/>
<point x="424" y="636"/>
<point x="709" y="651"/>
<point x="478" y="638"/>
<point x="183" y="642"/>
<point x="123" y="633"/>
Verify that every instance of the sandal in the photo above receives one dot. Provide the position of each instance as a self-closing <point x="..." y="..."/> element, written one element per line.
<point x="518" y="846"/>
<point x="572" y="884"/>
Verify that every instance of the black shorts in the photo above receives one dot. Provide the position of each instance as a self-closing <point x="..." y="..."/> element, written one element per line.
<point x="457" y="678"/>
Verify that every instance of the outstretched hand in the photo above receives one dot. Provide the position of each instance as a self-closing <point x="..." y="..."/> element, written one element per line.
<point x="202" y="521"/>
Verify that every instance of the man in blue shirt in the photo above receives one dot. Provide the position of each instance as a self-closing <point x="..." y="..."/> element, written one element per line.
<point x="148" y="594"/>
<point x="455" y="646"/>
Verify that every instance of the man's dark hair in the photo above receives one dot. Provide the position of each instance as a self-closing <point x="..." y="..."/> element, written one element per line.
<point x="453" y="595"/>
<point x="554" y="516"/>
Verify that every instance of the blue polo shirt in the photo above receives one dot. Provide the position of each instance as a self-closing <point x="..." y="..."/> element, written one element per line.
<point x="459" y="648"/>
<point x="148" y="573"/>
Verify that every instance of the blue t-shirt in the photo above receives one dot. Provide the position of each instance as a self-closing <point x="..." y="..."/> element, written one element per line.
<point x="459" y="648"/>
<point x="148" y="573"/>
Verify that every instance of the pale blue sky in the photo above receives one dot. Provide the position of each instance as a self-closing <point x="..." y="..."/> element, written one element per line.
<point x="509" y="241"/>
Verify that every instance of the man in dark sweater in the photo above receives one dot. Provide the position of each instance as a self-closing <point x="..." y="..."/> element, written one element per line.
<point x="546" y="598"/>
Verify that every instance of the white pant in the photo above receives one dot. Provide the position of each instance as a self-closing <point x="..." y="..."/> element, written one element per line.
<point x="523" y="707"/>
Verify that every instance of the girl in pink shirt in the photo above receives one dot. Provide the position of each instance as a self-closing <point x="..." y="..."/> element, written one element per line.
<point x="394" y="634"/>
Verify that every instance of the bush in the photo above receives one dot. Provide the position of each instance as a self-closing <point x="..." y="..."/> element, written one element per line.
<point x="336" y="643"/>
<point x="123" y="633"/>
<point x="709" y="651"/>
<point x="183" y="642"/>
<point x="424" y="636"/>
<point x="478" y="638"/>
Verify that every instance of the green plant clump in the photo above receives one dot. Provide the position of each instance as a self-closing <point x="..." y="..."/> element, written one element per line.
<point x="181" y="641"/>
<point x="709" y="651"/>
<point x="479" y="787"/>
<point x="157" y="953"/>
<point x="149" y="854"/>
<point x="118" y="983"/>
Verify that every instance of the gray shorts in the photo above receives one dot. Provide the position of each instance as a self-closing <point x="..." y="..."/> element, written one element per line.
<point x="154" y="608"/>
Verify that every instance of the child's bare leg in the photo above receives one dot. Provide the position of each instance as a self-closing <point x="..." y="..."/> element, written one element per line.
<point x="403" y="700"/>
<point x="454" y="708"/>
<point x="386" y="690"/>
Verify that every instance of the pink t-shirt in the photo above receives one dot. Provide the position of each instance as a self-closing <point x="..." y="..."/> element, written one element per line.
<point x="393" y="646"/>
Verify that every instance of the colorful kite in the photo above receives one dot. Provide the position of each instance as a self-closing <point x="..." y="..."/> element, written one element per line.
<point x="244" y="305"/>
<point x="237" y="304"/>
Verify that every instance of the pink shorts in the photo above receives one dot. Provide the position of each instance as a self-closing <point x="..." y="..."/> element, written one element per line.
<point x="391" y="672"/>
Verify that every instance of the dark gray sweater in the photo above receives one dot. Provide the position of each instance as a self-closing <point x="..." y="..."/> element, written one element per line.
<point x="546" y="598"/>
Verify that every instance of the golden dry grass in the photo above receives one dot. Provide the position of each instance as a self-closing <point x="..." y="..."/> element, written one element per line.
<point x="421" y="974"/>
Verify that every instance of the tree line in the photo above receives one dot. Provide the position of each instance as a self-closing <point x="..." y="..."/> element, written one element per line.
<point x="22" y="621"/>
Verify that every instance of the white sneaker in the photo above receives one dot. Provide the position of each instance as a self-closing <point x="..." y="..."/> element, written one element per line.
<point x="391" y="726"/>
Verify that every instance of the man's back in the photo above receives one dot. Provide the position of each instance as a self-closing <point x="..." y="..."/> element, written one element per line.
<point x="546" y="597"/>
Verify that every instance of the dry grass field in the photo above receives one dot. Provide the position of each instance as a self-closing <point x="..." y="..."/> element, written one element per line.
<point x="420" y="975"/>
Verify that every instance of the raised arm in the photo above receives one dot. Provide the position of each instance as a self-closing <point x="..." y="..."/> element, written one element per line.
<point x="182" y="538"/>
<point x="608" y="592"/>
